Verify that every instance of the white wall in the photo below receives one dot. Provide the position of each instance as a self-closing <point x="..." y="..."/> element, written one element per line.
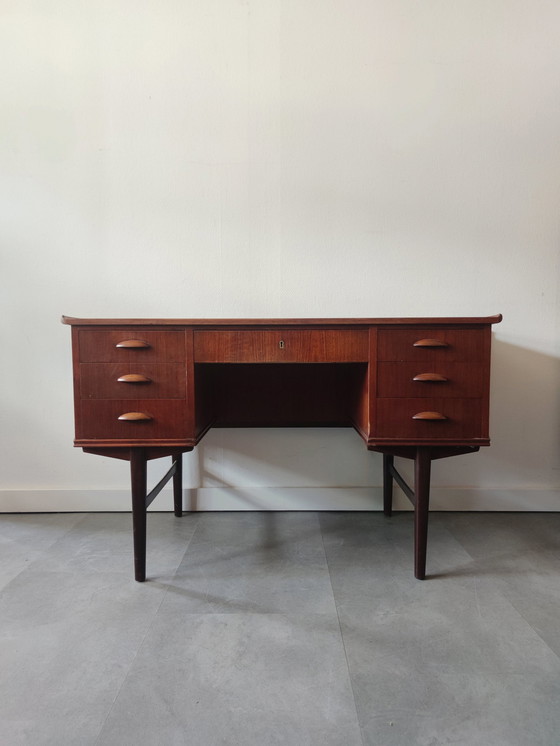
<point x="228" y="158"/>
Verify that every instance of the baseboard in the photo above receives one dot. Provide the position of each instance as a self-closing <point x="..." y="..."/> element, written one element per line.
<point x="279" y="498"/>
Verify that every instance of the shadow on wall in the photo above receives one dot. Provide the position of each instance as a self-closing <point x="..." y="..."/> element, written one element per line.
<point x="525" y="415"/>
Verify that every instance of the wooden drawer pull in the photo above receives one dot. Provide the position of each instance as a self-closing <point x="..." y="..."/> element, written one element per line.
<point x="135" y="417"/>
<point x="429" y="377"/>
<point x="430" y="343"/>
<point x="429" y="416"/>
<point x="134" y="378"/>
<point x="133" y="343"/>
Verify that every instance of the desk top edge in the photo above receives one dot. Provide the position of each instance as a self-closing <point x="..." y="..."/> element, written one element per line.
<point x="73" y="321"/>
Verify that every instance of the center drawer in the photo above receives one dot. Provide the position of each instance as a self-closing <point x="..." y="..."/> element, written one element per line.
<point x="282" y="346"/>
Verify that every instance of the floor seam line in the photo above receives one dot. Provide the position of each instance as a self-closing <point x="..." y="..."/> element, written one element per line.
<point x="341" y="634"/>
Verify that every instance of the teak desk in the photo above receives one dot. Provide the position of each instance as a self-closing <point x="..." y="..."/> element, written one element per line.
<point x="147" y="388"/>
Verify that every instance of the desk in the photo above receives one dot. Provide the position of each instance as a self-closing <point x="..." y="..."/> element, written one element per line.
<point x="414" y="388"/>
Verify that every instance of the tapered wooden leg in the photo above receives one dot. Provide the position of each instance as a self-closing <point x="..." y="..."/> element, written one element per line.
<point x="387" y="484"/>
<point x="178" y="485"/>
<point x="422" y="468"/>
<point x="138" y="478"/>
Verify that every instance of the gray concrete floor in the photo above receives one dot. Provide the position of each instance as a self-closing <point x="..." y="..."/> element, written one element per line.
<point x="280" y="628"/>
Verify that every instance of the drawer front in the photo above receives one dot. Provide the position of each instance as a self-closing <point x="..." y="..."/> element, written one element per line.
<point x="132" y="380"/>
<point x="441" y="379"/>
<point x="100" y="419"/>
<point x="463" y="419"/>
<point x="138" y="345"/>
<point x="282" y="346"/>
<point x="432" y="345"/>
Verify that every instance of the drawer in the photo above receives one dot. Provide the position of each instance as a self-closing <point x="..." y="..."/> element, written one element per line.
<point x="138" y="345"/>
<point x="432" y="345"/>
<point x="463" y="419"/>
<point x="441" y="379"/>
<point x="282" y="346"/>
<point x="100" y="419"/>
<point x="131" y="380"/>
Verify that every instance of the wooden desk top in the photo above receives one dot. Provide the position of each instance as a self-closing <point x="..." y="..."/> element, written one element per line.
<point x="444" y="321"/>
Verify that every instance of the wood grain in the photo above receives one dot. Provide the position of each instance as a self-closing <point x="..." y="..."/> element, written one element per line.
<point x="462" y="345"/>
<point x="396" y="379"/>
<point x="326" y="322"/>
<point x="99" y="346"/>
<point x="100" y="420"/>
<point x="101" y="381"/>
<point x="464" y="421"/>
<point x="281" y="346"/>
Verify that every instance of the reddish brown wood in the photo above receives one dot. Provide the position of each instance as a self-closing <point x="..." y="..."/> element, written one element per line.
<point x="446" y="379"/>
<point x="373" y="373"/>
<point x="462" y="345"/>
<point x="205" y="385"/>
<point x="219" y="323"/>
<point x="359" y="399"/>
<point x="485" y="364"/>
<point x="149" y="380"/>
<point x="101" y="347"/>
<point x="387" y="444"/>
<point x="100" y="419"/>
<point x="76" y="378"/>
<point x="123" y="453"/>
<point x="395" y="419"/>
<point x="191" y="402"/>
<point x="281" y="346"/>
<point x="391" y="379"/>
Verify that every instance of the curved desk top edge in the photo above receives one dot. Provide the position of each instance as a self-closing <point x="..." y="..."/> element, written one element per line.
<point x="72" y="321"/>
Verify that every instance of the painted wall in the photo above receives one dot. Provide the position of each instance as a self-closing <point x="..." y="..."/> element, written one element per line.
<point x="279" y="158"/>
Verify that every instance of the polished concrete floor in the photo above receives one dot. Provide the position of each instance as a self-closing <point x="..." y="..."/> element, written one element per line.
<point x="280" y="628"/>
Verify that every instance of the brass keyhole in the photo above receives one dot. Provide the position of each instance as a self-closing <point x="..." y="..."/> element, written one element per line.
<point x="281" y="344"/>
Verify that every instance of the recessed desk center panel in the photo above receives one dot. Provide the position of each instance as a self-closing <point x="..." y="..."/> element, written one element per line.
<point x="414" y="388"/>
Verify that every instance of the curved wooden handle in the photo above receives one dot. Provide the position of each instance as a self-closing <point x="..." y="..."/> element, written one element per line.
<point x="429" y="416"/>
<point x="133" y="343"/>
<point x="432" y="377"/>
<point x="430" y="343"/>
<point x="134" y="378"/>
<point x="135" y="417"/>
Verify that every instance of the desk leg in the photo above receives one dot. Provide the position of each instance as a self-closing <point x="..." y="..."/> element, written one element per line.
<point x="422" y="468"/>
<point x="387" y="484"/>
<point x="178" y="485"/>
<point x="138" y="477"/>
